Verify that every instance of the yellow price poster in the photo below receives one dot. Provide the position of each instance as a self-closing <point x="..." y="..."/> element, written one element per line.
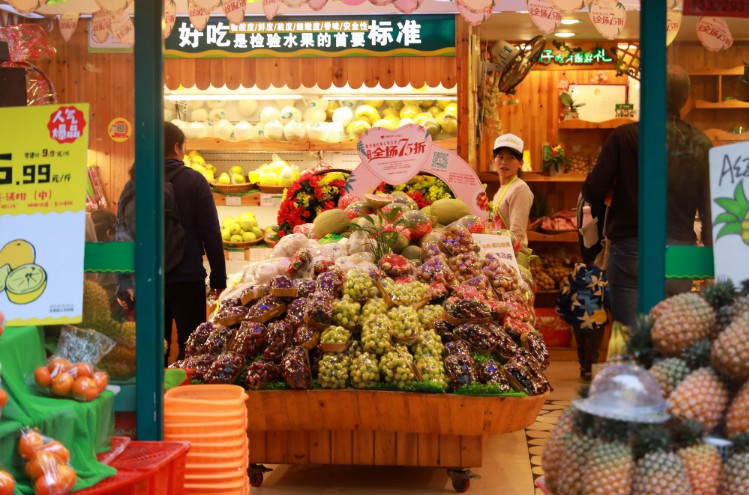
<point x="43" y="155"/>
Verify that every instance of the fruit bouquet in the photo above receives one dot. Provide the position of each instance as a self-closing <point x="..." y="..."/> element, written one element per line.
<point x="313" y="192"/>
<point x="47" y="463"/>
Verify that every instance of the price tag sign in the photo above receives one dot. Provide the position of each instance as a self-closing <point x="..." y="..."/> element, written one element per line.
<point x="42" y="213"/>
<point x="717" y="8"/>
<point x="259" y="254"/>
<point x="233" y="200"/>
<point x="500" y="245"/>
<point x="273" y="200"/>
<point x="236" y="255"/>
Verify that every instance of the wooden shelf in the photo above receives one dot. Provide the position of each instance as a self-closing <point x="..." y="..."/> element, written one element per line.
<point x="584" y="125"/>
<point x="721" y="135"/>
<point x="726" y="105"/>
<point x="563" y="237"/>
<point x="713" y="71"/>
<point x="536" y="177"/>
<point x="300" y="145"/>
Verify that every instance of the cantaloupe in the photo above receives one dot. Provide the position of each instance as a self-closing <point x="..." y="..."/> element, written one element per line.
<point x="449" y="210"/>
<point x="332" y="221"/>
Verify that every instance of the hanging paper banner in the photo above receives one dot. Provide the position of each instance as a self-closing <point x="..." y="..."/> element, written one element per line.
<point x="569" y="6"/>
<point x="379" y="3"/>
<point x="729" y="191"/>
<point x="170" y="17"/>
<point x="111" y="5"/>
<point x="394" y="157"/>
<point x="198" y="15"/>
<point x="123" y="29"/>
<point x="545" y="15"/>
<point x="101" y="21"/>
<point x="294" y="4"/>
<point x="673" y="24"/>
<point x="319" y="4"/>
<point x="26" y="6"/>
<point x="270" y="8"/>
<point x="608" y="17"/>
<point x="209" y="5"/>
<point x="42" y="213"/>
<point x="475" y="11"/>
<point x="234" y="10"/>
<point x="714" y="34"/>
<point x="407" y="6"/>
<point x="68" y="23"/>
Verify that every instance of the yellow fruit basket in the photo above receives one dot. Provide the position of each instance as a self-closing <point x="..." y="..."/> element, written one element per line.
<point x="272" y="189"/>
<point x="231" y="188"/>
<point x="241" y="245"/>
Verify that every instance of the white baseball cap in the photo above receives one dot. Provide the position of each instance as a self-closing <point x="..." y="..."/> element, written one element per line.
<point x="510" y="141"/>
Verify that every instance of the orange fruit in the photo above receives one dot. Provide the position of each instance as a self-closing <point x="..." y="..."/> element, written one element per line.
<point x="82" y="369"/>
<point x="43" y="377"/>
<point x="49" y="485"/>
<point x="57" y="365"/>
<point x="7" y="483"/>
<point x="30" y="441"/>
<point x="62" y="383"/>
<point x="45" y="463"/>
<point x="85" y="389"/>
<point x="58" y="449"/>
<point x="3" y="398"/>
<point x="102" y="380"/>
<point x="66" y="476"/>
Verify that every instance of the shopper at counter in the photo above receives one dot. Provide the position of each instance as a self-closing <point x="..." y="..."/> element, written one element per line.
<point x="688" y="192"/>
<point x="184" y="287"/>
<point x="512" y="203"/>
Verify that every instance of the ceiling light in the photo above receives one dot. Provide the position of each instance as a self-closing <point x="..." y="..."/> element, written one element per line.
<point x="564" y="35"/>
<point x="568" y="22"/>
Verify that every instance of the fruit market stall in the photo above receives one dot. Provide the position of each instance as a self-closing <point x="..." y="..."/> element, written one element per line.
<point x="378" y="332"/>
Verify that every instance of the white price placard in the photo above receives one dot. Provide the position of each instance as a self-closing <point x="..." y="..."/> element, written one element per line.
<point x="501" y="245"/>
<point x="259" y="254"/>
<point x="273" y="200"/>
<point x="233" y="200"/>
<point x="235" y="255"/>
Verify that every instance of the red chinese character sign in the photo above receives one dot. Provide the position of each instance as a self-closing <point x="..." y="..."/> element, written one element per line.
<point x="395" y="157"/>
<point x="732" y="8"/>
<point x="714" y="34"/>
<point x="42" y="213"/>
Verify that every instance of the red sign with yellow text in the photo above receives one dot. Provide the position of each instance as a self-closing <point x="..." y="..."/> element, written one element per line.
<point x="717" y="8"/>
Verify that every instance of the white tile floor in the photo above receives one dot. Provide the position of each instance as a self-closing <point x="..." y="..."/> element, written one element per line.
<point x="508" y="462"/>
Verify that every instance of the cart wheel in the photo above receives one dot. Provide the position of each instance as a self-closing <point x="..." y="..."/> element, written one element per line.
<point x="461" y="485"/>
<point x="256" y="479"/>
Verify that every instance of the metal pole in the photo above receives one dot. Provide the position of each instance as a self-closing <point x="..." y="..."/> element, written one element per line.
<point x="653" y="159"/>
<point x="149" y="218"/>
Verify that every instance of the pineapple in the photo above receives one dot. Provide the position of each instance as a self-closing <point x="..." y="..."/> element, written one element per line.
<point x="736" y="215"/>
<point x="735" y="477"/>
<point x="658" y="470"/>
<point x="702" y="461"/>
<point x="702" y="396"/>
<point x="669" y="373"/>
<point x="640" y="342"/>
<point x="611" y="462"/>
<point x="726" y="314"/>
<point x="553" y="453"/>
<point x="679" y="322"/>
<point x="737" y="419"/>
<point x="575" y="446"/>
<point x="730" y="355"/>
<point x="697" y="355"/>
<point x="721" y="294"/>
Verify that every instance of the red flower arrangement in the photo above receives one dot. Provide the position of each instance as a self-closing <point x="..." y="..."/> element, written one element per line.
<point x="315" y="191"/>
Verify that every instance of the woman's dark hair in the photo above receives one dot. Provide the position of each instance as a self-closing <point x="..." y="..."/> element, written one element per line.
<point x="172" y="135"/>
<point x="104" y="222"/>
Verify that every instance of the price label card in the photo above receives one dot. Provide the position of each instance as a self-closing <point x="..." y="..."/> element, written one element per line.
<point x="273" y="200"/>
<point x="42" y="213"/>
<point x="259" y="254"/>
<point x="236" y="255"/>
<point x="500" y="245"/>
<point x="233" y="200"/>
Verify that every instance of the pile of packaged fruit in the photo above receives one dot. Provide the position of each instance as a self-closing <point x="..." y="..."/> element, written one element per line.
<point x="343" y="310"/>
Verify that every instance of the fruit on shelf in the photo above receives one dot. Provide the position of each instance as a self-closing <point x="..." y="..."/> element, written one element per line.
<point x="277" y="173"/>
<point x="241" y="229"/>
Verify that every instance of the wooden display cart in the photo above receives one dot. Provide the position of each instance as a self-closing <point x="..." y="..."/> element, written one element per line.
<point x="380" y="428"/>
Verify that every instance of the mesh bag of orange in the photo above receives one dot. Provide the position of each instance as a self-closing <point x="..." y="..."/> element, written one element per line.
<point x="47" y="463"/>
<point x="7" y="482"/>
<point x="70" y="372"/>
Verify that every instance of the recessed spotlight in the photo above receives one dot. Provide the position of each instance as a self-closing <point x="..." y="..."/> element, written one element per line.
<point x="564" y="35"/>
<point x="569" y="22"/>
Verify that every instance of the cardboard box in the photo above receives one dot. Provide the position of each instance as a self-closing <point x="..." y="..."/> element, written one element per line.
<point x="556" y="332"/>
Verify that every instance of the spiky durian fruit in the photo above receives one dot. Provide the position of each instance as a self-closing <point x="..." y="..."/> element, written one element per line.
<point x="96" y="310"/>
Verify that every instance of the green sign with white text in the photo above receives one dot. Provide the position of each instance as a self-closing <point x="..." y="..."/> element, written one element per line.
<point x="300" y="36"/>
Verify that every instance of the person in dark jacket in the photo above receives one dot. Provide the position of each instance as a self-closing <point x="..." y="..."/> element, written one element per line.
<point x="184" y="285"/>
<point x="688" y="194"/>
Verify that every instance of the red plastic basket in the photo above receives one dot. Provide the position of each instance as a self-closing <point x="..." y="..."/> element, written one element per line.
<point x="146" y="468"/>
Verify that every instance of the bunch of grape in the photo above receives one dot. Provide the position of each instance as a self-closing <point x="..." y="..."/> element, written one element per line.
<point x="346" y="312"/>
<point x="465" y="265"/>
<point x="358" y="285"/>
<point x="375" y="306"/>
<point x="429" y="344"/>
<point x="404" y="321"/>
<point x="501" y="274"/>
<point x="410" y="293"/>
<point x="335" y="335"/>
<point x="355" y="349"/>
<point x="260" y="373"/>
<point x="432" y="369"/>
<point x="375" y="334"/>
<point x="333" y="372"/>
<point x="429" y="314"/>
<point x="365" y="370"/>
<point x="395" y="367"/>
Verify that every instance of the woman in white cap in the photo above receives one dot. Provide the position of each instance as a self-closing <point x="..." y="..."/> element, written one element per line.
<point x="512" y="203"/>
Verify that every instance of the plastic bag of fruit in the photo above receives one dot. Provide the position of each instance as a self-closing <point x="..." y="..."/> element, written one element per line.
<point x="3" y="393"/>
<point x="436" y="270"/>
<point x="7" y="482"/>
<point x="461" y="370"/>
<point x="267" y="269"/>
<point x="502" y="275"/>
<point x="47" y="463"/>
<point x="225" y="369"/>
<point x="295" y="368"/>
<point x="432" y="245"/>
<point x="289" y="245"/>
<point x="457" y="239"/>
<point x="261" y="373"/>
<point x="83" y="345"/>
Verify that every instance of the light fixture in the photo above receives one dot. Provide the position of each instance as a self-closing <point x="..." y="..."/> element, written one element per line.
<point x="569" y="22"/>
<point x="564" y="35"/>
<point x="230" y="97"/>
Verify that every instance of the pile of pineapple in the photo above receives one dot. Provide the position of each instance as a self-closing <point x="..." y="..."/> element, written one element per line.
<point x="697" y="349"/>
